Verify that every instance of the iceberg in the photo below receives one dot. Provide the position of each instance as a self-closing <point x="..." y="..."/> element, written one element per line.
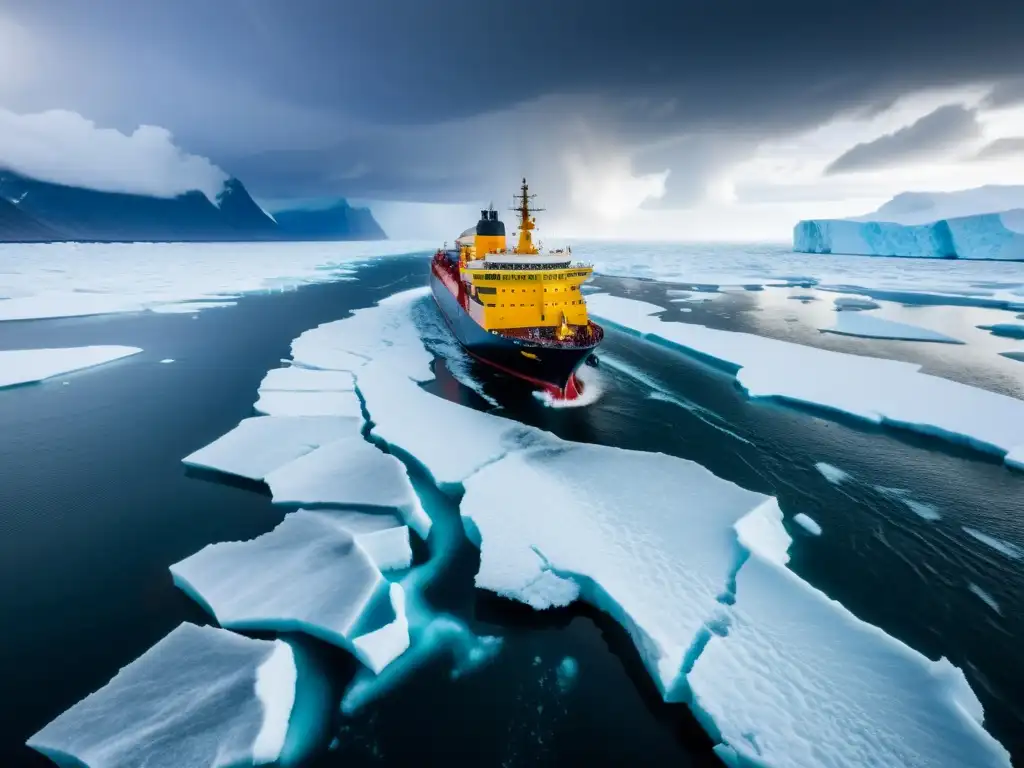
<point x="261" y="444"/>
<point x="869" y="326"/>
<point x="200" y="698"/>
<point x="799" y="681"/>
<point x="983" y="236"/>
<point x="646" y="537"/>
<point x="349" y="472"/>
<point x="26" y="366"/>
<point x="876" y="390"/>
<point x="308" y="575"/>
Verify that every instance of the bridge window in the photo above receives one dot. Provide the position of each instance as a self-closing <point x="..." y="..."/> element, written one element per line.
<point x="486" y="289"/>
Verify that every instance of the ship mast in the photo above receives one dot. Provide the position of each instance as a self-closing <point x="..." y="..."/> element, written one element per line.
<point x="526" y="221"/>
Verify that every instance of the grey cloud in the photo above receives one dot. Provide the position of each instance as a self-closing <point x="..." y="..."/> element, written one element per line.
<point x="1007" y="93"/>
<point x="402" y="86"/>
<point x="1007" y="147"/>
<point x="936" y="132"/>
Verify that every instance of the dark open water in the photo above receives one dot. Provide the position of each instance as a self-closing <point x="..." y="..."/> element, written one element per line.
<point x="95" y="505"/>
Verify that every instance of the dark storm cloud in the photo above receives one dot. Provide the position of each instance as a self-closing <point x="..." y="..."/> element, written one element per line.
<point x="352" y="84"/>
<point x="936" y="132"/>
<point x="1007" y="147"/>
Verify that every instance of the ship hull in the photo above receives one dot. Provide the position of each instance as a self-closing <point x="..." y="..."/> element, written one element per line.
<point x="552" y="368"/>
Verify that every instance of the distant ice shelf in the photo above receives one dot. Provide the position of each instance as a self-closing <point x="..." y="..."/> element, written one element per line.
<point x="876" y="390"/>
<point x="25" y="366"/>
<point x="997" y="236"/>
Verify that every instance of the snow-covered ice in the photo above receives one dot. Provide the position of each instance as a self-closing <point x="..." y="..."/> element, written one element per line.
<point x="383" y="535"/>
<point x="380" y="647"/>
<point x="870" y="326"/>
<point x="309" y="575"/>
<point x="305" y="403"/>
<point x="78" y="279"/>
<point x="261" y="444"/>
<point x="348" y="472"/>
<point x="807" y="523"/>
<point x="799" y="681"/>
<point x="1002" y="547"/>
<point x="646" y="537"/>
<point x="25" y="366"/>
<point x="879" y="391"/>
<point x="295" y="379"/>
<point x="200" y="698"/>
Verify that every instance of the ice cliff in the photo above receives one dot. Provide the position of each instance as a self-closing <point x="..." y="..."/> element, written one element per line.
<point x="984" y="223"/>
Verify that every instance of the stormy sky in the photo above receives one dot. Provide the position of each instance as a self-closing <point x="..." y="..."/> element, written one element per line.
<point x="674" y="118"/>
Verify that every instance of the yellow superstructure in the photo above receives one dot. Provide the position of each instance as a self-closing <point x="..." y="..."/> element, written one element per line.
<point x="522" y="288"/>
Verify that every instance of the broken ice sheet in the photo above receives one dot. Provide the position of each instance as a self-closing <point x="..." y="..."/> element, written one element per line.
<point x="648" y="538"/>
<point x="307" y="575"/>
<point x="200" y="698"/>
<point x="261" y="444"/>
<point x="25" y="366"/>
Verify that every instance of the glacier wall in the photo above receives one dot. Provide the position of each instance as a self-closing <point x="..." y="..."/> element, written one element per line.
<point x="983" y="236"/>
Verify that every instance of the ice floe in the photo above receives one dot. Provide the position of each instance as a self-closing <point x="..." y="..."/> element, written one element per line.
<point x="25" y="366"/>
<point x="799" y="681"/>
<point x="295" y="379"/>
<point x="876" y="390"/>
<point x="78" y="279"/>
<point x="807" y="523"/>
<point x="657" y="560"/>
<point x="309" y="575"/>
<point x="261" y="444"/>
<point x="1014" y="355"/>
<point x="348" y="472"/>
<point x="870" y="326"/>
<point x="200" y="698"/>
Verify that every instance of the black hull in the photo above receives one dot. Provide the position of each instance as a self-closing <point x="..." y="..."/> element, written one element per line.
<point x="547" y="366"/>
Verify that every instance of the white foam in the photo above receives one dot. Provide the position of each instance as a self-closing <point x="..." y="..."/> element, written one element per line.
<point x="24" y="366"/>
<point x="307" y="575"/>
<point x="379" y="648"/>
<point x="985" y="597"/>
<point x="1002" y="547"/>
<point x="646" y="537"/>
<point x="879" y="391"/>
<point x="261" y="444"/>
<point x="919" y="508"/>
<point x="798" y="681"/>
<point x="870" y="326"/>
<point x="807" y="523"/>
<point x="834" y="475"/>
<point x="348" y="472"/>
<point x="200" y="698"/>
<point x="78" y="279"/>
<point x="592" y="390"/>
